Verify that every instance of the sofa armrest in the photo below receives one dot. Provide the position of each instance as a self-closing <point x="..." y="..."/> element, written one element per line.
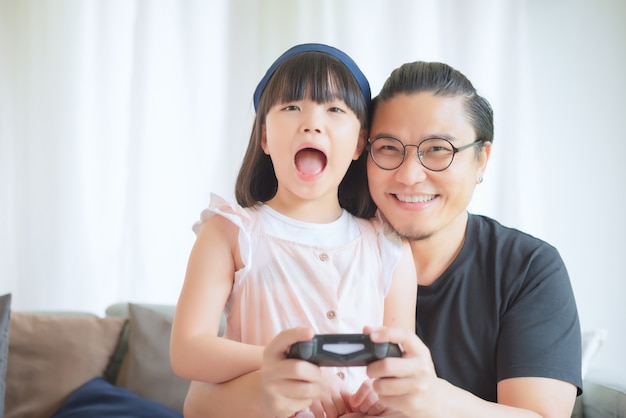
<point x="604" y="400"/>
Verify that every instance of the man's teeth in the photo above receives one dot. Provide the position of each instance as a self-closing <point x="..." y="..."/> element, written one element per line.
<point x="415" y="199"/>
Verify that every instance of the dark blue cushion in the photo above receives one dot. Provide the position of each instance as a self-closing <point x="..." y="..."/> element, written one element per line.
<point x="100" y="399"/>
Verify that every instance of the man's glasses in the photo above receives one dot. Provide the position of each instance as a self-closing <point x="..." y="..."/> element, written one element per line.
<point x="435" y="154"/>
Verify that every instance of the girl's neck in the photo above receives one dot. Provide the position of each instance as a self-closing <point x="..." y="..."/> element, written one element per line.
<point x="319" y="211"/>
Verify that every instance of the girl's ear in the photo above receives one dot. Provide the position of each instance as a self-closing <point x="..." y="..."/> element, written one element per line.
<point x="264" y="140"/>
<point x="360" y="146"/>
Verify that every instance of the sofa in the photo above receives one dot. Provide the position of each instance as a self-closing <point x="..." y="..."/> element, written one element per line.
<point x="77" y="364"/>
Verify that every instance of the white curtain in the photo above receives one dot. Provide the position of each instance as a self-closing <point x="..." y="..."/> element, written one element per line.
<point x="119" y="117"/>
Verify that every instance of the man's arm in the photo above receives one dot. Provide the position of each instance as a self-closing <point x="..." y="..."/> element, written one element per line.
<point x="410" y="386"/>
<point x="547" y="397"/>
<point x="226" y="399"/>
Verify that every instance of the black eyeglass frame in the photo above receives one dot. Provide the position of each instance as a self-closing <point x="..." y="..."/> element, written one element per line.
<point x="455" y="150"/>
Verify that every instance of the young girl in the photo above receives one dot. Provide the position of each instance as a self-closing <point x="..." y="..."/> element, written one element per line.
<point x="299" y="248"/>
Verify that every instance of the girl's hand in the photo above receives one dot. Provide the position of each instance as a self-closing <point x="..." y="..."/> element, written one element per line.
<point x="288" y="385"/>
<point x="334" y="399"/>
<point x="366" y="401"/>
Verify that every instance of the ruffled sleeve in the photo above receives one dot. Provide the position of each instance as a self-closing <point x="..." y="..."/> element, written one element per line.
<point x="235" y="214"/>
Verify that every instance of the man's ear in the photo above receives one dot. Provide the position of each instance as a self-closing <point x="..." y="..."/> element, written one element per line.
<point x="483" y="158"/>
<point x="360" y="146"/>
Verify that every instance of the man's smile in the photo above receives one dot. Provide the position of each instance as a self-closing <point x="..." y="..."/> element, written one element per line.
<point x="415" y="198"/>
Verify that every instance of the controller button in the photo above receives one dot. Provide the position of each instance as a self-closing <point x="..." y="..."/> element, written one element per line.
<point x="341" y="375"/>
<point x="380" y="350"/>
<point x="331" y="314"/>
<point x="306" y="349"/>
<point x="323" y="257"/>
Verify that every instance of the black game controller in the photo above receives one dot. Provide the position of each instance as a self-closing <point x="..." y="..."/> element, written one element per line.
<point x="342" y="350"/>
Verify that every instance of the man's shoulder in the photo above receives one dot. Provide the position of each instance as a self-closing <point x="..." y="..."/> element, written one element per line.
<point x="513" y="250"/>
<point x="487" y="229"/>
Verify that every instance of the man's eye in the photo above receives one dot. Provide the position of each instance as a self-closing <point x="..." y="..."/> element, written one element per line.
<point x="435" y="146"/>
<point x="437" y="149"/>
<point x="388" y="149"/>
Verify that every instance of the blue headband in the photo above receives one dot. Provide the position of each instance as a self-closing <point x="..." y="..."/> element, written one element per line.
<point x="341" y="56"/>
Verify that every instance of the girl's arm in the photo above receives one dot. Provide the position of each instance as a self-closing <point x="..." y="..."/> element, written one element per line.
<point x="280" y="388"/>
<point x="196" y="351"/>
<point x="401" y="299"/>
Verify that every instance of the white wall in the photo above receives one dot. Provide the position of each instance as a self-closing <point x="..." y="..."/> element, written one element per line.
<point x="578" y="65"/>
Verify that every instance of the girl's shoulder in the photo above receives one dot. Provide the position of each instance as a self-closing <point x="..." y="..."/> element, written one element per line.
<point x="242" y="217"/>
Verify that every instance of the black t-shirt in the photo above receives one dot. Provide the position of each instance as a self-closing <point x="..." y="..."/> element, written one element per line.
<point x="504" y="308"/>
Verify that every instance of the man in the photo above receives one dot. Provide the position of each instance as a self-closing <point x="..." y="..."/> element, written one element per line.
<point x="495" y="306"/>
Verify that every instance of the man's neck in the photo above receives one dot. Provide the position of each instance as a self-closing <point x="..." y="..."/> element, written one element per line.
<point x="433" y="255"/>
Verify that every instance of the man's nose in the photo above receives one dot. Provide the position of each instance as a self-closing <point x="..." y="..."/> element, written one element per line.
<point x="411" y="170"/>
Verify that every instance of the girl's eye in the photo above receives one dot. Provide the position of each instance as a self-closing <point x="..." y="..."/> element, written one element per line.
<point x="290" y="107"/>
<point x="336" y="110"/>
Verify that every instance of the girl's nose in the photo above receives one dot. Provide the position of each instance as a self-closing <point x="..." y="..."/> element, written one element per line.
<point x="313" y="120"/>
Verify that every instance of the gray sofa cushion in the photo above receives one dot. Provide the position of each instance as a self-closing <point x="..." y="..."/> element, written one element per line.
<point x="148" y="371"/>
<point x="50" y="356"/>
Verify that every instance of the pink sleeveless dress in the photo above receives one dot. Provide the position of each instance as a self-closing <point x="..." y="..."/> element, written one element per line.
<point x="331" y="277"/>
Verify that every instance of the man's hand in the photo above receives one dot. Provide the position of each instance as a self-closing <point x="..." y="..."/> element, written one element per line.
<point x="406" y="384"/>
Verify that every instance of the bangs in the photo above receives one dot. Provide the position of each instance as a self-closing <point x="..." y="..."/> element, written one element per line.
<point x="316" y="76"/>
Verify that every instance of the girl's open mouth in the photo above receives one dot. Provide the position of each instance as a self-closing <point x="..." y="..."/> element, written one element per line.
<point x="310" y="161"/>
